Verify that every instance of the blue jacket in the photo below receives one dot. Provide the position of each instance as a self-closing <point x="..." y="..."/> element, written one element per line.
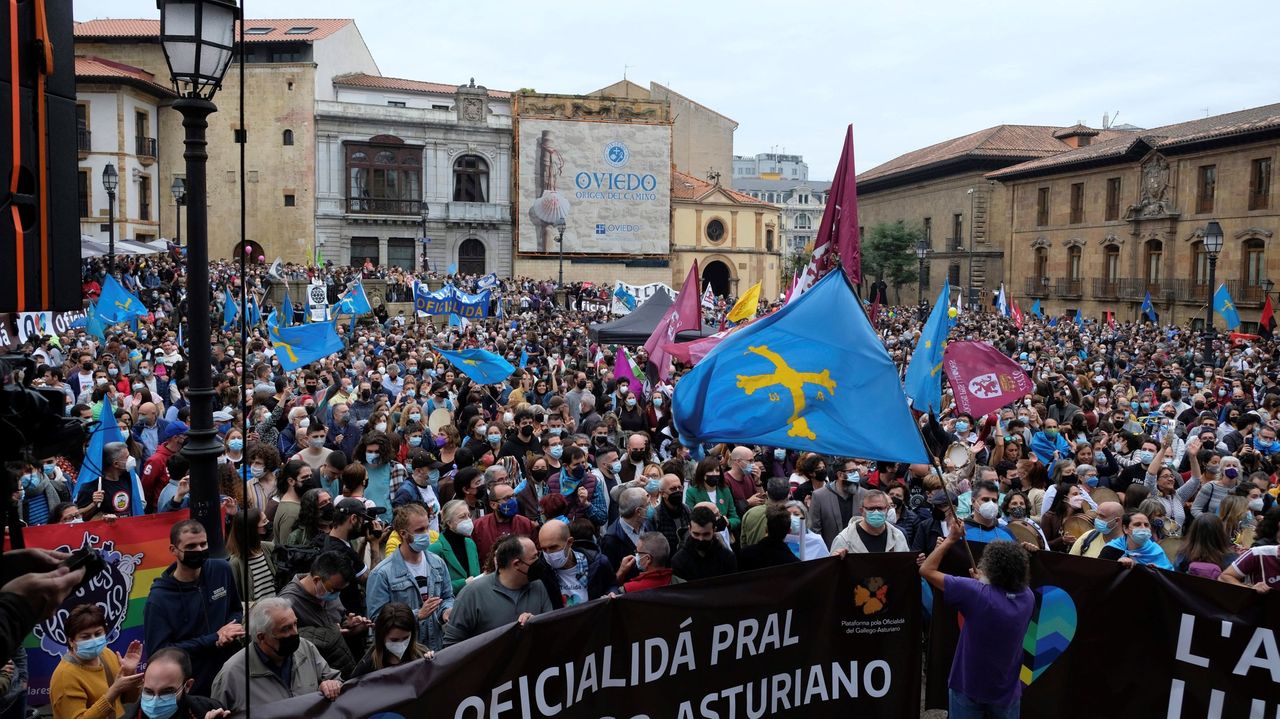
<point x="188" y="615"/>
<point x="391" y="581"/>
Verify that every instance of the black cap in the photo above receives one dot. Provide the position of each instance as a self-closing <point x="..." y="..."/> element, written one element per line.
<point x="354" y="506"/>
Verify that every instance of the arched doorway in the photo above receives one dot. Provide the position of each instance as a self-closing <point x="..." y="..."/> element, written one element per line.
<point x="471" y="257"/>
<point x="256" y="254"/>
<point x="716" y="273"/>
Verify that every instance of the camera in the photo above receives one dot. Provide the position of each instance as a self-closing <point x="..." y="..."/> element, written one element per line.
<point x="34" y="414"/>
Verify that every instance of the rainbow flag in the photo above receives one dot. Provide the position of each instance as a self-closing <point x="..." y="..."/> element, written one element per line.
<point x="137" y="552"/>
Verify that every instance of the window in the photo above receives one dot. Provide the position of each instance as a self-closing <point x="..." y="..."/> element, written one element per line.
<point x="290" y="201"/>
<point x="300" y="30"/>
<point x="1255" y="263"/>
<point x="384" y="179"/>
<point x="83" y="137"/>
<point x="1205" y="187"/>
<point x="1199" y="264"/>
<point x="1042" y="263"/>
<point x="803" y="199"/>
<point x="953" y="274"/>
<point x="1155" y="254"/>
<point x="1042" y="207"/>
<point x="1077" y="203"/>
<point x="287" y="54"/>
<point x="400" y="253"/>
<point x="1073" y="263"/>
<point x="957" y="231"/>
<point x="258" y="31"/>
<point x="715" y="230"/>
<point x="470" y="179"/>
<point x="1111" y="264"/>
<point x="768" y="240"/>
<point x="441" y="107"/>
<point x="287" y="137"/>
<point x="803" y="221"/>
<point x="1113" y="198"/>
<point x="144" y="197"/>
<point x="1260" y="184"/>
<point x="145" y="144"/>
<point x="396" y="103"/>
<point x="362" y="249"/>
<point x="928" y="233"/>
<point x="84" y="193"/>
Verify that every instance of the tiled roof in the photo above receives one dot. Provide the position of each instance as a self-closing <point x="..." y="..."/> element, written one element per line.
<point x="1001" y="141"/>
<point x="1119" y="144"/>
<point x="360" y="79"/>
<point x="688" y="187"/>
<point x="277" y="29"/>
<point x="1076" y="130"/>
<point x="96" y="68"/>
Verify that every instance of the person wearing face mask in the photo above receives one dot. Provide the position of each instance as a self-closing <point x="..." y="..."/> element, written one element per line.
<point x="703" y="554"/>
<point x="194" y="605"/>
<point x="743" y="480"/>
<point x="671" y="517"/>
<point x="835" y="505"/>
<point x="315" y="453"/>
<point x="1136" y="546"/>
<point x="569" y="575"/>
<point x="455" y="546"/>
<point x="780" y="462"/>
<point x="1048" y="444"/>
<point x="92" y="681"/>
<point x="166" y="690"/>
<point x="250" y="556"/>
<point x="501" y="597"/>
<point x="708" y="486"/>
<point x="620" y="537"/>
<point x="503" y="516"/>
<point x="424" y="477"/>
<point x="524" y="443"/>
<point x="580" y="488"/>
<point x="872" y="532"/>
<point x="281" y="663"/>
<point x="39" y="496"/>
<point x="652" y="559"/>
<point x="115" y="493"/>
<point x="1106" y="527"/>
<point x="415" y="577"/>
<point x="983" y="526"/>
<point x="234" y="450"/>
<point x="315" y="598"/>
<point x="394" y="641"/>
<point x="385" y="474"/>
<point x="1211" y="493"/>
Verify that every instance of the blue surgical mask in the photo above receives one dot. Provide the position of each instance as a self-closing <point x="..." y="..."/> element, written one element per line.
<point x="415" y="416"/>
<point x="50" y="469"/>
<point x="420" y="542"/>
<point x="235" y="445"/>
<point x="89" y="649"/>
<point x="797" y="525"/>
<point x="30" y="480"/>
<point x="652" y="510"/>
<point x="160" y="706"/>
<point x="556" y="452"/>
<point x="372" y="458"/>
<point x="493" y="438"/>
<point x="411" y="393"/>
<point x="1141" y="535"/>
<point x="1144" y="456"/>
<point x="1092" y="480"/>
<point x="415" y="441"/>
<point x="962" y="426"/>
<point x="876" y="518"/>
<point x="616" y="467"/>
<point x="780" y="454"/>
<point x="1102" y="525"/>
<point x="653" y="486"/>
<point x="657" y="401"/>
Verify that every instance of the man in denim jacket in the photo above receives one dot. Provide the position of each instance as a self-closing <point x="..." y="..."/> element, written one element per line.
<point x="413" y="576"/>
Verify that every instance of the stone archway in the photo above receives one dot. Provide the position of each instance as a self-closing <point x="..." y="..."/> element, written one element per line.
<point x="719" y="276"/>
<point x="471" y="257"/>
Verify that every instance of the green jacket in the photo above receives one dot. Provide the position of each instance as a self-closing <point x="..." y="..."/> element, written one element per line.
<point x="723" y="501"/>
<point x="457" y="573"/>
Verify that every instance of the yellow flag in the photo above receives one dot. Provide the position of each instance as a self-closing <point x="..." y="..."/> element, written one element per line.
<point x="745" y="307"/>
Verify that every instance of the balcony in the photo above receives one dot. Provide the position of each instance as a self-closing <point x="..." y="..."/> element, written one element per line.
<point x="477" y="213"/>
<point x="146" y="149"/>
<point x="1068" y="288"/>
<point x="1037" y="287"/>
<point x="1189" y="291"/>
<point x="1244" y="293"/>
<point x="379" y="206"/>
<point x="84" y="142"/>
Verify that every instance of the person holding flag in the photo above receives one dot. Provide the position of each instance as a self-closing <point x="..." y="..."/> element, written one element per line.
<point x="1226" y="307"/>
<point x="298" y="346"/>
<point x="116" y="304"/>
<point x="1149" y="309"/>
<point x="113" y="490"/>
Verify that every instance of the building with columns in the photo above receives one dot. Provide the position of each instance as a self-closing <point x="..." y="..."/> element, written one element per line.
<point x="414" y="174"/>
<point x="1100" y="226"/>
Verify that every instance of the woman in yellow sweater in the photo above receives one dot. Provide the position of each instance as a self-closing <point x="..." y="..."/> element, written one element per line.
<point x="91" y="680"/>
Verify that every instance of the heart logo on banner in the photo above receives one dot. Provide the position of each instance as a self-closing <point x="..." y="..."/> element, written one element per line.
<point x="1052" y="627"/>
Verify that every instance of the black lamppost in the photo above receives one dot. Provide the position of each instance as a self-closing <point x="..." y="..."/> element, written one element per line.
<point x="179" y="190"/>
<point x="968" y="288"/>
<point x="198" y="37"/>
<point x="560" y="224"/>
<point x="1212" y="246"/>
<point x="110" y="181"/>
<point x="922" y="253"/>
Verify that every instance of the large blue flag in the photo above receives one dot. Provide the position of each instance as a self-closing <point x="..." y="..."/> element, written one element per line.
<point x="107" y="431"/>
<point x="286" y="309"/>
<point x="1035" y="309"/>
<point x="93" y="324"/>
<point x="802" y="378"/>
<point x="354" y="301"/>
<point x="230" y="310"/>
<point x="1148" y="309"/>
<point x="481" y="366"/>
<point x="116" y="304"/>
<point x="923" y="382"/>
<point x="1223" y="305"/>
<point x="1080" y="318"/>
<point x="255" y="313"/>
<point x="625" y="296"/>
<point x="303" y="344"/>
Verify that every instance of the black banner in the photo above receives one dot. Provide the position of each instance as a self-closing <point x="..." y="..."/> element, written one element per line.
<point x="1106" y="641"/>
<point x="827" y="638"/>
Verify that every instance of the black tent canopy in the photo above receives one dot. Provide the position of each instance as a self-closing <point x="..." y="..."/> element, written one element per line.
<point x="635" y="328"/>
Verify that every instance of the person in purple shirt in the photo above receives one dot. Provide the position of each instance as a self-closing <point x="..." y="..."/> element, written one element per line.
<point x="996" y="605"/>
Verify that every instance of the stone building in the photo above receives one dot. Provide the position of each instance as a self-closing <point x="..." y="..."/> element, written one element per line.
<point x="117" y="116"/>
<point x="289" y="66"/>
<point x="802" y="204"/>
<point x="770" y="166"/>
<point x="732" y="235"/>
<point x="944" y="190"/>
<point x="1098" y="227"/>
<point x="414" y="174"/>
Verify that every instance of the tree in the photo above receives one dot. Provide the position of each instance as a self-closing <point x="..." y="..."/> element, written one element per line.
<point x="889" y="254"/>
<point x="796" y="262"/>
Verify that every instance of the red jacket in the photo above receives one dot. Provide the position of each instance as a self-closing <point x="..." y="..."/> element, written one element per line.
<point x="649" y="579"/>
<point x="487" y="531"/>
<point x="155" y="475"/>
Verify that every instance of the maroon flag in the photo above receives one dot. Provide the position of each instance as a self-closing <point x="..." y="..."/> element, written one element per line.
<point x="875" y="313"/>
<point x="1266" y="320"/>
<point x="981" y="378"/>
<point x="684" y="314"/>
<point x="838" y="231"/>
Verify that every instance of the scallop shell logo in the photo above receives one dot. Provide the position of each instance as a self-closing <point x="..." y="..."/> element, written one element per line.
<point x="616" y="154"/>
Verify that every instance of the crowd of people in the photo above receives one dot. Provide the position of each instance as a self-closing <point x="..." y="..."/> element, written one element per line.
<point x="381" y="506"/>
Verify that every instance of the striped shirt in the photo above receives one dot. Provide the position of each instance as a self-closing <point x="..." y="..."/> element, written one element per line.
<point x="37" y="508"/>
<point x="264" y="585"/>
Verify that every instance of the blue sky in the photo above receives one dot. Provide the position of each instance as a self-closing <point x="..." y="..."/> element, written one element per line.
<point x="906" y="74"/>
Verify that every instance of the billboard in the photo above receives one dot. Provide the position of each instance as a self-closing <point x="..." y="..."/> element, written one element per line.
<point x="610" y="182"/>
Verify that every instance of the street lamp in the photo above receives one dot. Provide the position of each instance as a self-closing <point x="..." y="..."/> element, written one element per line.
<point x="110" y="181"/>
<point x="969" y="286"/>
<point x="179" y="190"/>
<point x="560" y="224"/>
<point x="922" y="252"/>
<point x="1212" y="246"/>
<point x="426" y="213"/>
<point x="1267" y="284"/>
<point x="198" y="37"/>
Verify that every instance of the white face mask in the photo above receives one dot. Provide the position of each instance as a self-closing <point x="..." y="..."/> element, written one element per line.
<point x="893" y="515"/>
<point x="381" y="426"/>
<point x="131" y="463"/>
<point x="398" y="648"/>
<point x="989" y="511"/>
<point x="464" y="527"/>
<point x="556" y="559"/>
<point x="304" y="423"/>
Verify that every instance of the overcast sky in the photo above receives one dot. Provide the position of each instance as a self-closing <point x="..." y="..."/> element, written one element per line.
<point x="906" y="74"/>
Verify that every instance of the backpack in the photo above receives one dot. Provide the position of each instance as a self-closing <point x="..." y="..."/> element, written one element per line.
<point x="291" y="561"/>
